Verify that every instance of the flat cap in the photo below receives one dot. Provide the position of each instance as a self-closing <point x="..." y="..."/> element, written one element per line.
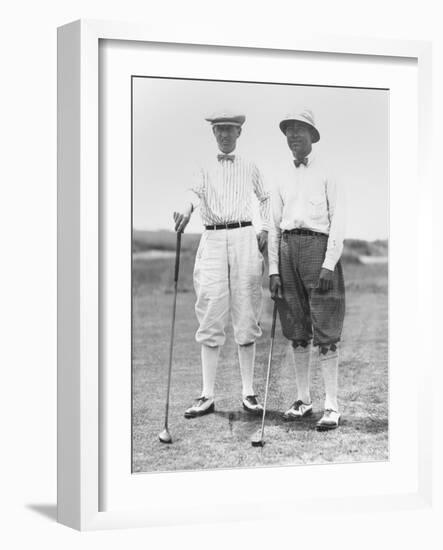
<point x="226" y="117"/>
<point x="307" y="117"/>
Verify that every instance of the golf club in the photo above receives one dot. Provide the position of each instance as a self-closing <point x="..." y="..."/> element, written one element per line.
<point x="165" y="436"/>
<point x="259" y="442"/>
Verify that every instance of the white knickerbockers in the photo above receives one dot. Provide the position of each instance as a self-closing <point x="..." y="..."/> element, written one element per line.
<point x="228" y="277"/>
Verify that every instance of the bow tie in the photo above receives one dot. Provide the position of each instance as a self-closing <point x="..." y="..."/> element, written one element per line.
<point x="226" y="157"/>
<point x="302" y="161"/>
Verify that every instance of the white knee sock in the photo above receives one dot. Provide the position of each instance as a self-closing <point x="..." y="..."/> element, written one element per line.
<point x="302" y="359"/>
<point x="329" y="366"/>
<point x="209" y="368"/>
<point x="246" y="356"/>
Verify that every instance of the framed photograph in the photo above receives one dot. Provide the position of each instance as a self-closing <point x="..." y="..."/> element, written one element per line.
<point x="234" y="313"/>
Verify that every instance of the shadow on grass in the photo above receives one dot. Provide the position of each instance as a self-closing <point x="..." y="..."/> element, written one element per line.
<point x="273" y="418"/>
<point x="349" y="423"/>
<point x="306" y="423"/>
<point x="244" y="416"/>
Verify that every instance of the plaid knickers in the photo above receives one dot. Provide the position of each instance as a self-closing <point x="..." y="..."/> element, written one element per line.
<point x="306" y="312"/>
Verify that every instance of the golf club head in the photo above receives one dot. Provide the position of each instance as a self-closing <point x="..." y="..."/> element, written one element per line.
<point x="165" y="436"/>
<point x="257" y="443"/>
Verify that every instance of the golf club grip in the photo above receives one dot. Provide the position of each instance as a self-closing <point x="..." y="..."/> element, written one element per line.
<point x="177" y="255"/>
<point x="274" y="319"/>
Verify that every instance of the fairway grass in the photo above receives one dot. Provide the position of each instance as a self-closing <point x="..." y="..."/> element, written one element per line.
<point x="223" y="439"/>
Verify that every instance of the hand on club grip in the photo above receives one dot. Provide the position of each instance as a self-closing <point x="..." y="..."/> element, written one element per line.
<point x="181" y="220"/>
<point x="275" y="287"/>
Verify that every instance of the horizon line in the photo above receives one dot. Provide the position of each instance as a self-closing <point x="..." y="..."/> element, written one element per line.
<point x="386" y="238"/>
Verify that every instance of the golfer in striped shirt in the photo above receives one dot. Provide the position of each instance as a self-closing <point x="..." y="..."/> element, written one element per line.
<point x="229" y="265"/>
<point x="306" y="277"/>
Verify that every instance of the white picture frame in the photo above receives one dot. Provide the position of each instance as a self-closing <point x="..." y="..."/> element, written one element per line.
<point x="79" y="411"/>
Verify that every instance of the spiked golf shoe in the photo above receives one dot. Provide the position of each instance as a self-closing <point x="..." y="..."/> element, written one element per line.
<point x="329" y="421"/>
<point x="298" y="411"/>
<point x="251" y="404"/>
<point x="202" y="405"/>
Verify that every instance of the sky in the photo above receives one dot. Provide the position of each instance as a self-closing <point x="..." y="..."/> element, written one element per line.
<point x="171" y="138"/>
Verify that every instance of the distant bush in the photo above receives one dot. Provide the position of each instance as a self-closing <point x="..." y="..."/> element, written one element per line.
<point x="163" y="240"/>
<point x="166" y="240"/>
<point x="360" y="247"/>
<point x="350" y="258"/>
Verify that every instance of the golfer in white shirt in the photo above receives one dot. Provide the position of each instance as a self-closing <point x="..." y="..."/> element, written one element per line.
<point x="306" y="277"/>
<point x="229" y="264"/>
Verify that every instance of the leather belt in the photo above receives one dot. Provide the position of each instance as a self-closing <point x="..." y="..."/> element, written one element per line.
<point x="234" y="225"/>
<point x="300" y="231"/>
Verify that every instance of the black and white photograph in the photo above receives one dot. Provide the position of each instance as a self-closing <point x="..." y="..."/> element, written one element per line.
<point x="260" y="239"/>
<point x="225" y="330"/>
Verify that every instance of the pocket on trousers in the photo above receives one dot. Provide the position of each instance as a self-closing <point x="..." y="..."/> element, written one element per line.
<point x="201" y="246"/>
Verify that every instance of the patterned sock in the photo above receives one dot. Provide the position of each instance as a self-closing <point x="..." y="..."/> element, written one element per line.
<point x="209" y="368"/>
<point x="329" y="366"/>
<point x="246" y="356"/>
<point x="302" y="360"/>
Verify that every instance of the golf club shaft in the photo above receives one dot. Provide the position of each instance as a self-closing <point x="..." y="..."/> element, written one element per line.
<point x="268" y="374"/>
<point x="174" y="306"/>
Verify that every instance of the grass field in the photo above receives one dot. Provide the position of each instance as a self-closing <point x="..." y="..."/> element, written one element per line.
<point x="222" y="440"/>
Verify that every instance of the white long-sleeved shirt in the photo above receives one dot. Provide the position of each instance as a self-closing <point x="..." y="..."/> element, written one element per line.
<point x="223" y="192"/>
<point x="308" y="198"/>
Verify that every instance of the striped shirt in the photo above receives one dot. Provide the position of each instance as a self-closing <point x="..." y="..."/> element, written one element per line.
<point x="223" y="191"/>
<point x="308" y="198"/>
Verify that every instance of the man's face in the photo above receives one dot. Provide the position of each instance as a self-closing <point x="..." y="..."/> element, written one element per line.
<point x="226" y="136"/>
<point x="299" y="138"/>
